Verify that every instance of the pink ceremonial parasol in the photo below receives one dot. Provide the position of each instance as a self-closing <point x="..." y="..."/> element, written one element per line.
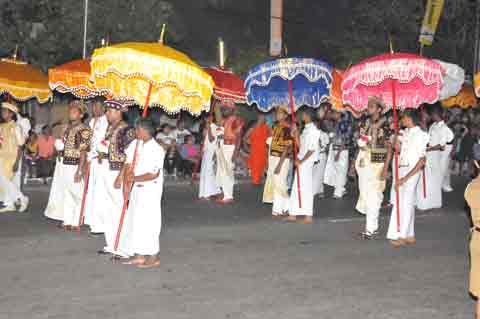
<point x="401" y="80"/>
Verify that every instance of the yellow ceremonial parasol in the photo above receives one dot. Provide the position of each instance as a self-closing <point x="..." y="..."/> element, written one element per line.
<point x="465" y="98"/>
<point x="73" y="77"/>
<point x="22" y="81"/>
<point x="477" y="84"/>
<point x="152" y="74"/>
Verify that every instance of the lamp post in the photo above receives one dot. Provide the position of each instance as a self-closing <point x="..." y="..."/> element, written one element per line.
<point x="85" y="23"/>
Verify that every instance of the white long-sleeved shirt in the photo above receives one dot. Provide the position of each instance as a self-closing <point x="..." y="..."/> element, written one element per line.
<point x="440" y="134"/>
<point x="413" y="146"/>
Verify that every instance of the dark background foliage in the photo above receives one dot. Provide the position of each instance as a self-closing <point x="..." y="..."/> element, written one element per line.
<point x="50" y="32"/>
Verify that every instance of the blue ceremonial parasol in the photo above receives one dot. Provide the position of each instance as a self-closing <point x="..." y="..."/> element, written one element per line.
<point x="267" y="84"/>
<point x="294" y="81"/>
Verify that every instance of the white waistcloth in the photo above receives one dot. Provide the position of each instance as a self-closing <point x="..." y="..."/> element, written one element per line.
<point x="429" y="189"/>
<point x="319" y="174"/>
<point x="145" y="219"/>
<point x="225" y="169"/>
<point x="208" y="184"/>
<point x="54" y="208"/>
<point x="94" y="214"/>
<point x="276" y="185"/>
<point x="73" y="193"/>
<point x="336" y="171"/>
<point x="407" y="198"/>
<point x="304" y="174"/>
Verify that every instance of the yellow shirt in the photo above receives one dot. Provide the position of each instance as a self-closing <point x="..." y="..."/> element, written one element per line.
<point x="11" y="139"/>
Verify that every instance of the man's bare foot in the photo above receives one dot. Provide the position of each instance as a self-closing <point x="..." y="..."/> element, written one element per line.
<point x="137" y="260"/>
<point x="306" y="221"/>
<point x="410" y="241"/>
<point x="150" y="262"/>
<point x="290" y="218"/>
<point x="398" y="242"/>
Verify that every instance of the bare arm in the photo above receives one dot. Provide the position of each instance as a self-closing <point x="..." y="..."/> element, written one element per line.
<point x="420" y="164"/>
<point x="146" y="177"/>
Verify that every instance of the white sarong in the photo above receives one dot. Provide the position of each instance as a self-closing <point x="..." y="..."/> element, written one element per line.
<point x="276" y="185"/>
<point x="225" y="169"/>
<point x="407" y="196"/>
<point x="433" y="183"/>
<point x="336" y="171"/>
<point x="208" y="186"/>
<point x="54" y="208"/>
<point x="319" y="174"/>
<point x="73" y="193"/>
<point x="305" y="171"/>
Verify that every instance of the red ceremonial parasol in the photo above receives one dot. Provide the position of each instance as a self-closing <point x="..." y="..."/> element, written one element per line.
<point x="229" y="87"/>
<point x="401" y="80"/>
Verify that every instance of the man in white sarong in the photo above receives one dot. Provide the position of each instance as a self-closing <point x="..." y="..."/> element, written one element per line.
<point x="338" y="156"/>
<point x="111" y="157"/>
<point x="281" y="147"/>
<point x="208" y="185"/>
<point x="54" y="209"/>
<point x="77" y="143"/>
<point x="94" y="216"/>
<point x="301" y="198"/>
<point x="144" y="214"/>
<point x="413" y="149"/>
<point x="372" y="165"/>
<point x="228" y="146"/>
<point x="11" y="143"/>
<point x="429" y="196"/>
<point x="320" y="164"/>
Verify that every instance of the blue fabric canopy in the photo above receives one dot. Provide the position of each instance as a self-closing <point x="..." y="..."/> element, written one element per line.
<point x="266" y="84"/>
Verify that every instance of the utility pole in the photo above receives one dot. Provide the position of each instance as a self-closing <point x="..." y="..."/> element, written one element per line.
<point x="276" y="27"/>
<point x="85" y="24"/>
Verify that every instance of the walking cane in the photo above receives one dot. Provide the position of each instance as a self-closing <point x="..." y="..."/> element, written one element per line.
<point x="134" y="161"/>
<point x="295" y="146"/>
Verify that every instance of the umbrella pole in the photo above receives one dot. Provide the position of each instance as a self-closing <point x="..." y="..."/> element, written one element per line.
<point x="424" y="177"/>
<point x="134" y="161"/>
<point x="84" y="197"/>
<point x="395" y="124"/>
<point x="295" y="146"/>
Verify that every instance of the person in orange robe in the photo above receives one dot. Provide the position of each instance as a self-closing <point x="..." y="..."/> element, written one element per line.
<point x="257" y="137"/>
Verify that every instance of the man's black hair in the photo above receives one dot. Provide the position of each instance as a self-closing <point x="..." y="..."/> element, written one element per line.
<point x="413" y="114"/>
<point x="146" y="124"/>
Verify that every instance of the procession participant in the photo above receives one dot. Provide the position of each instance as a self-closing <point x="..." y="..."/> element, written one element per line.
<point x="109" y="198"/>
<point x="77" y="143"/>
<point x="320" y="164"/>
<point x="280" y="149"/>
<point x="413" y="148"/>
<point x="26" y="127"/>
<point x="257" y="137"/>
<point x="436" y="163"/>
<point x="54" y="209"/>
<point x="372" y="165"/>
<point x="99" y="123"/>
<point x="306" y="157"/>
<point x="472" y="196"/>
<point x="11" y="143"/>
<point x="144" y="212"/>
<point x="338" y="156"/>
<point x="208" y="185"/>
<point x="227" y="151"/>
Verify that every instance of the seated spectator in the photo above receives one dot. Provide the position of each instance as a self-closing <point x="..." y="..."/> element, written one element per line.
<point x="46" y="153"/>
<point x="181" y="132"/>
<point x="189" y="156"/>
<point x="31" y="154"/>
<point x="167" y="139"/>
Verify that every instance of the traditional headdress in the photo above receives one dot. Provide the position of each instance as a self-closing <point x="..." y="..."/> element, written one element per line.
<point x="10" y="106"/>
<point x="116" y="105"/>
